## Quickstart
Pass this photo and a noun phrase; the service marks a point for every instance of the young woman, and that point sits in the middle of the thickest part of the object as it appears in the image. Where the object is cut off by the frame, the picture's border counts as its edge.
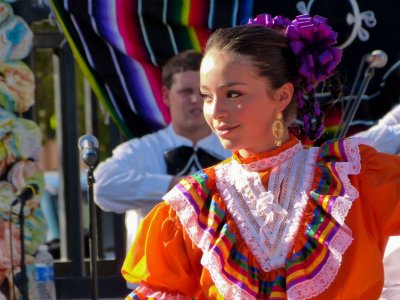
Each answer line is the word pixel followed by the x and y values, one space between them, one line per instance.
pixel 277 220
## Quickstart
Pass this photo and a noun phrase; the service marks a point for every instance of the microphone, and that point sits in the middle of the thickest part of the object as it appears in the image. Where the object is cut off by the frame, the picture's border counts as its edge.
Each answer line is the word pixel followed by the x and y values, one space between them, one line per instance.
pixel 89 146
pixel 27 193
pixel 377 59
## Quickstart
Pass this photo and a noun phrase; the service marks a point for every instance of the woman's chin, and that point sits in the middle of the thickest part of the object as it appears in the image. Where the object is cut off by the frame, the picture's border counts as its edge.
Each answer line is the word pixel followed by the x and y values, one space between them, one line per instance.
pixel 228 144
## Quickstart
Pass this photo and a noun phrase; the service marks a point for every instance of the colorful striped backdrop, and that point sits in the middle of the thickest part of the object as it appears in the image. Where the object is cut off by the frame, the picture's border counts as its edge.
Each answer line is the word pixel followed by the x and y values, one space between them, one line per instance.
pixel 121 46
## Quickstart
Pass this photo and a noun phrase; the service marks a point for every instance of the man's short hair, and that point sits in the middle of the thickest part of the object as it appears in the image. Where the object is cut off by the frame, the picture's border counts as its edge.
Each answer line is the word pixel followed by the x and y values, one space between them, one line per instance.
pixel 188 60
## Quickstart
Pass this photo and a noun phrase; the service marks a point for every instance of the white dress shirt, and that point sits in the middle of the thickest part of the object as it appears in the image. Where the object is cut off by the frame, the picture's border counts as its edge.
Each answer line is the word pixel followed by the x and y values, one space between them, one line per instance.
pixel 135 178
pixel 385 135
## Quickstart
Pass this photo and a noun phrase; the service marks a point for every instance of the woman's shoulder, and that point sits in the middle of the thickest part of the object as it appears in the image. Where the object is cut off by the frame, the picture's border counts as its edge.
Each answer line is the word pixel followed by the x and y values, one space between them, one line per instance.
pixel 345 149
pixel 194 189
pixel 359 155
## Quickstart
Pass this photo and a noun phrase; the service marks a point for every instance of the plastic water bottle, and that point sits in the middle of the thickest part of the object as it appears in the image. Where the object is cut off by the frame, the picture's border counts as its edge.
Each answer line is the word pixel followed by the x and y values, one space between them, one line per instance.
pixel 43 287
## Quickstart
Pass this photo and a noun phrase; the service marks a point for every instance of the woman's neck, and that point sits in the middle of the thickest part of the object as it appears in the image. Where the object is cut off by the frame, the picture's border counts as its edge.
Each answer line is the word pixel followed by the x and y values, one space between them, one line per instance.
pixel 269 147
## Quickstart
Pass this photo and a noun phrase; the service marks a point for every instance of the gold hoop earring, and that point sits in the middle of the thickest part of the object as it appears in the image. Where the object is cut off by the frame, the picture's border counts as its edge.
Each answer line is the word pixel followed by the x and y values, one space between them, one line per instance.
pixel 277 129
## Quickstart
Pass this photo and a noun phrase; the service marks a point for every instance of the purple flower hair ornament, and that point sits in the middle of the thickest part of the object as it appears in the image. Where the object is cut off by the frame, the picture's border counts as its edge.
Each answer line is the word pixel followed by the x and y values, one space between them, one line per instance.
pixel 313 40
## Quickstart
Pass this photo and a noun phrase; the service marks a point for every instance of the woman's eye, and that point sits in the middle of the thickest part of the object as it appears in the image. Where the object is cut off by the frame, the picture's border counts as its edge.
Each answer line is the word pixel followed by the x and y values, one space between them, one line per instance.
pixel 233 94
pixel 205 97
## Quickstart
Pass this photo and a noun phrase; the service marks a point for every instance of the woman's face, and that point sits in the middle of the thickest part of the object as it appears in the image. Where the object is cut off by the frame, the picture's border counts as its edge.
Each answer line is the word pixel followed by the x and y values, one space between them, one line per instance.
pixel 239 106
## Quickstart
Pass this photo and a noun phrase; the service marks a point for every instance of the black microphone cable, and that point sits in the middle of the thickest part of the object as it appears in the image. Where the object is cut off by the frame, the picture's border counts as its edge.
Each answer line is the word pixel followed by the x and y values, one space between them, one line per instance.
pixel 26 194
pixel 10 213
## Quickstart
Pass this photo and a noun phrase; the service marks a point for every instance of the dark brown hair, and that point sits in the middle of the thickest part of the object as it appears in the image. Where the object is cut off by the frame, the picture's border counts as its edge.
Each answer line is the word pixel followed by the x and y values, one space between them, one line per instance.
pixel 188 60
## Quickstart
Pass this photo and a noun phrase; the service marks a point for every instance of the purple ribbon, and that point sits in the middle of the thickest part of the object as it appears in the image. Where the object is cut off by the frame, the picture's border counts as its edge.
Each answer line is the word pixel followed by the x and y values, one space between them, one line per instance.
pixel 270 22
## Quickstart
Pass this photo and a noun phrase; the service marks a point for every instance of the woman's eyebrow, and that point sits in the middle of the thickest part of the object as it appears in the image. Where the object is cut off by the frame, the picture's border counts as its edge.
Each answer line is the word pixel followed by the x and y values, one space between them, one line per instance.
pixel 225 85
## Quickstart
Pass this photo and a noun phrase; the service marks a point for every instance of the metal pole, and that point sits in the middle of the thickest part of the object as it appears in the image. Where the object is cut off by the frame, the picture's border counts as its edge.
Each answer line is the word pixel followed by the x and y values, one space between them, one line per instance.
pixel 89 145
pixel 349 104
pixel 369 73
pixel 70 195
pixel 93 233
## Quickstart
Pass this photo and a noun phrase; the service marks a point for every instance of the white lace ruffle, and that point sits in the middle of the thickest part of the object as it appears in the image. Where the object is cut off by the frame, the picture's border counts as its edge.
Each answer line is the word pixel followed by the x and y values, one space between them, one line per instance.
pixel 318 283
pixel 269 232
pixel 321 281
pixel 343 203
pixel 273 161
pixel 299 207
pixel 202 239
pixel 227 289
pixel 343 238
pixel 188 218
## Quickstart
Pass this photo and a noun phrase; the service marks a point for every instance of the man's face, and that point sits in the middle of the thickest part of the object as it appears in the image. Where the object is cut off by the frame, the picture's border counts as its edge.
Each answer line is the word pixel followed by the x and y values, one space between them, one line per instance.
pixel 186 105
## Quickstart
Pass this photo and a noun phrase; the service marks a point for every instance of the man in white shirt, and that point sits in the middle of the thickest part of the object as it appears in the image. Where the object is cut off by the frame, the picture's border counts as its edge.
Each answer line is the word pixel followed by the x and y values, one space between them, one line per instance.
pixel 142 170
pixel 386 138
pixel 385 135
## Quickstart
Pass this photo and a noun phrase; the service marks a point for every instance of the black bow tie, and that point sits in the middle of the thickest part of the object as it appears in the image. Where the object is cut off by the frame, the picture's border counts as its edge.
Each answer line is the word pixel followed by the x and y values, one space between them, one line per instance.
pixel 184 160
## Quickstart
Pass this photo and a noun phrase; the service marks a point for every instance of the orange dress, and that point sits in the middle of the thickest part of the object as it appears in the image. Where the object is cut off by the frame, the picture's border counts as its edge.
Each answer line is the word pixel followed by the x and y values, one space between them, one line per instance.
pixel 292 223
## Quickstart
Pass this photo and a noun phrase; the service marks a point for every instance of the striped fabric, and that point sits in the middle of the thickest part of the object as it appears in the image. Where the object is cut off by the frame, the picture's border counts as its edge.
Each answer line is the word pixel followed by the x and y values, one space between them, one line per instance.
pixel 121 46
pixel 316 257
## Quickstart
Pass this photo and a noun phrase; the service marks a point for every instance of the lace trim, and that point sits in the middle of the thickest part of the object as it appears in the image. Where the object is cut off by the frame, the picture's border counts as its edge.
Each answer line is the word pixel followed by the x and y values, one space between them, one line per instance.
pixel 227 289
pixel 300 206
pixel 148 292
pixel 343 238
pixel 324 278
pixel 268 228
pixel 273 161
pixel 343 204
pixel 202 239
pixel 188 218
pixel 319 283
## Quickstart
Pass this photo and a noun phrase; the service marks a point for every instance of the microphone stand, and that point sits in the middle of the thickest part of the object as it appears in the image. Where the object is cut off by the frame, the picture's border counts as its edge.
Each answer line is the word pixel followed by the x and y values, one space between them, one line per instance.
pixel 369 73
pixel 88 144
pixel 349 102
pixel 376 59
pixel 21 278
pixel 93 232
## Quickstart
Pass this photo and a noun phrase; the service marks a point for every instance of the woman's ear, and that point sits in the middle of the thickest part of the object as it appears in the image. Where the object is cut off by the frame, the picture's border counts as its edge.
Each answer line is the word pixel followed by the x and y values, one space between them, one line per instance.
pixel 285 94
pixel 165 95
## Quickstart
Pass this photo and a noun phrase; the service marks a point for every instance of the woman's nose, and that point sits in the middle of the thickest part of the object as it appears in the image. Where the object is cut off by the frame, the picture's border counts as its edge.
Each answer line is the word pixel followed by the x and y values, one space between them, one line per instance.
pixel 217 108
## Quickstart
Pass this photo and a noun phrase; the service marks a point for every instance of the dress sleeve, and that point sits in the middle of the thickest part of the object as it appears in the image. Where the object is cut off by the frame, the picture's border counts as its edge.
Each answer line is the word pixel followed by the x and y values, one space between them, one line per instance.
pixel 163 261
pixel 380 188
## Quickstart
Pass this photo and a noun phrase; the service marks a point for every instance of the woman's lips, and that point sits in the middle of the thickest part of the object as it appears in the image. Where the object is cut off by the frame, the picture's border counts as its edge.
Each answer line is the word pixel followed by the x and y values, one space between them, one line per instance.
pixel 224 130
